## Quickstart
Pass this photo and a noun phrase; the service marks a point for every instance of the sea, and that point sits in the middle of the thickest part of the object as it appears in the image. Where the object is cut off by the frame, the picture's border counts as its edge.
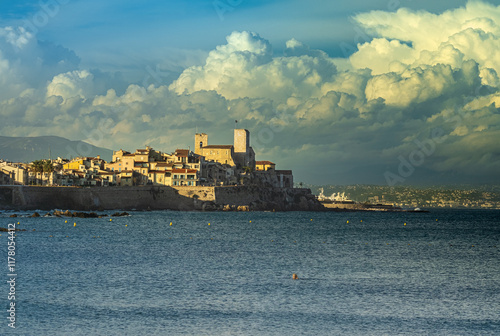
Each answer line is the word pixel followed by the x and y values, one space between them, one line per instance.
pixel 230 273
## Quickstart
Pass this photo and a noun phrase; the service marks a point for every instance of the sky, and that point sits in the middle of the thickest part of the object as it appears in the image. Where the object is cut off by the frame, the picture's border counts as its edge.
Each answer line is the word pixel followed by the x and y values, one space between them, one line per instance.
pixel 375 92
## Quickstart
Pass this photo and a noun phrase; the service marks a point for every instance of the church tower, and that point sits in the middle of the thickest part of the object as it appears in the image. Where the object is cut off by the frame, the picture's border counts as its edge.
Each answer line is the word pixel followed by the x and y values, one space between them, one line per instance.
pixel 200 140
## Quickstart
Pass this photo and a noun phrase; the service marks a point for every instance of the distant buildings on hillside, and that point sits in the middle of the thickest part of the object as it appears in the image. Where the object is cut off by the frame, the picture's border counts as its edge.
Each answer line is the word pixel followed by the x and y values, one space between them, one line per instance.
pixel 208 165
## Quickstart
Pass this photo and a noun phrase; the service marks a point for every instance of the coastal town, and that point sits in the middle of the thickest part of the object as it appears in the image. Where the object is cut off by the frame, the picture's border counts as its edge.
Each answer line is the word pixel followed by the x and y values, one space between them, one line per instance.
pixel 207 165
pixel 440 197
pixel 224 165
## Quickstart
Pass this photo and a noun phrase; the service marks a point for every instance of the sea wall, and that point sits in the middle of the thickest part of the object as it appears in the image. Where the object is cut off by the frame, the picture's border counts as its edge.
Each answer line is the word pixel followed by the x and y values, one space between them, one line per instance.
pixel 265 198
pixel 156 198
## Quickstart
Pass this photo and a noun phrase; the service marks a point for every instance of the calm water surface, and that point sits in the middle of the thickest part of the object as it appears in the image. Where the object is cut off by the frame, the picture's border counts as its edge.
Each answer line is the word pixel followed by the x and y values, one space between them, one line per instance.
pixel 359 274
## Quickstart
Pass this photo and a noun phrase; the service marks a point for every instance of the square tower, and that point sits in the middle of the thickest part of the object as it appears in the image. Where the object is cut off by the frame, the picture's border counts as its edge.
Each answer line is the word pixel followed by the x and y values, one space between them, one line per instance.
pixel 241 140
pixel 200 140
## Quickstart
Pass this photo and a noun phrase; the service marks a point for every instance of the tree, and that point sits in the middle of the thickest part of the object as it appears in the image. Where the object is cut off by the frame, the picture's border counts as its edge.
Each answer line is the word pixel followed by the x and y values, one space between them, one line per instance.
pixel 37 167
pixel 42 166
pixel 48 167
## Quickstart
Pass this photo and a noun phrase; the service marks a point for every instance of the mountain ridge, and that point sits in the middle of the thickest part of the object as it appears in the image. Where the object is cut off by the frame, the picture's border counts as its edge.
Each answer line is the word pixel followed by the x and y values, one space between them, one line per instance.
pixel 28 149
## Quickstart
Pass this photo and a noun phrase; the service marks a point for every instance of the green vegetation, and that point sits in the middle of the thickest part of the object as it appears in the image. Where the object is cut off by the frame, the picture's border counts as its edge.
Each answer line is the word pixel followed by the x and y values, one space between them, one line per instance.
pixel 44 167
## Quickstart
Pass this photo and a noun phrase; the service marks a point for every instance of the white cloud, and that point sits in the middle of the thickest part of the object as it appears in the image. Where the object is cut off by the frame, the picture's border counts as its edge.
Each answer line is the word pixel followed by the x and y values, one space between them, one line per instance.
pixel 423 72
pixel 417 85
pixel 16 37
pixel 244 67
pixel 382 56
pixel 71 84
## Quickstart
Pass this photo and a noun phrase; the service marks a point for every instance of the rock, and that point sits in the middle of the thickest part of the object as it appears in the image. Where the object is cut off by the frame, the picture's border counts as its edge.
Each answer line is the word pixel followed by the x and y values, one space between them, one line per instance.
pixel 228 207
pixel 78 214
pixel 85 215
pixel 13 216
pixel 295 276
pixel 120 214
pixel 7 230
pixel 243 208
pixel 48 214
pixel 303 205
pixel 36 214
pixel 208 206
pixel 59 213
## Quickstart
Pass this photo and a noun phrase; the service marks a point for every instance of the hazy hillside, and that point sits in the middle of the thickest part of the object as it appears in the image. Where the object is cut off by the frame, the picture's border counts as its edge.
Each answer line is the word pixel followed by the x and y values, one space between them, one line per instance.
pixel 27 149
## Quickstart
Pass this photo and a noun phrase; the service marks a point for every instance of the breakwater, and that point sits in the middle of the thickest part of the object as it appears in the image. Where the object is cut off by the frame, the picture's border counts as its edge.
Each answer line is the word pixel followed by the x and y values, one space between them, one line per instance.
pixel 234 198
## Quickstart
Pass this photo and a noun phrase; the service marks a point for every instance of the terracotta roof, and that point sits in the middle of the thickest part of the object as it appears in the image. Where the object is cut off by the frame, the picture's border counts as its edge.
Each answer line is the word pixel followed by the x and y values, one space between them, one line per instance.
pixel 219 146
pixel 264 163
pixel 184 171
pixel 182 152
pixel 164 164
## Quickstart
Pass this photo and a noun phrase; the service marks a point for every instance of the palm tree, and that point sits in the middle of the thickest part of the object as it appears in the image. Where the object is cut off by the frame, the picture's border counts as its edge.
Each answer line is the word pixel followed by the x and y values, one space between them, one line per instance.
pixel 37 167
pixel 48 167
pixel 42 166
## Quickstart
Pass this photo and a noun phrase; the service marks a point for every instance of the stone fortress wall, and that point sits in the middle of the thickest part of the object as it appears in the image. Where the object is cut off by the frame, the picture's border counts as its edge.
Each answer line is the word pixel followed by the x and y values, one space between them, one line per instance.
pixel 242 198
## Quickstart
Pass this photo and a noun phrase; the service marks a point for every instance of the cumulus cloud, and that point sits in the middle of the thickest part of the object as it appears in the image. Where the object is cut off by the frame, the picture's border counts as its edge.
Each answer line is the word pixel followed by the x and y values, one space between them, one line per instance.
pixel 420 73
pixel 244 67
pixel 71 84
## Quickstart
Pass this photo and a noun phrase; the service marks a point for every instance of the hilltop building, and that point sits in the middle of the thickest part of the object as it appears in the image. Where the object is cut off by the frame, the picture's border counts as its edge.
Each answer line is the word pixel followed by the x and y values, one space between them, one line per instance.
pixel 238 155
pixel 238 161
pixel 150 167
pixel 264 165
